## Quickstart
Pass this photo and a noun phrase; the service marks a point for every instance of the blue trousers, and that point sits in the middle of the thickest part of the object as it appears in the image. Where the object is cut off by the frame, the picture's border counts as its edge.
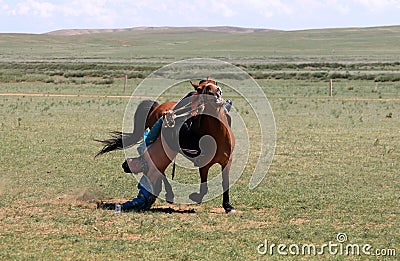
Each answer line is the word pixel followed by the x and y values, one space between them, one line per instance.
pixel 150 136
pixel 146 196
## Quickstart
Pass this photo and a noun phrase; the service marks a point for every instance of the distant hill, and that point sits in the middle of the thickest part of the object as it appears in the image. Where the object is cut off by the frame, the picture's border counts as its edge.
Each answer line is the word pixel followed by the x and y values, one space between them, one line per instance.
pixel 165 29
pixel 235 44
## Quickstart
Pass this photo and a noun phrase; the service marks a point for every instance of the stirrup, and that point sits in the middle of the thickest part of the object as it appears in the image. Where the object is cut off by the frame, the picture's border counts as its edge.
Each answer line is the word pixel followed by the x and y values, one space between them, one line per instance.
pixel 169 119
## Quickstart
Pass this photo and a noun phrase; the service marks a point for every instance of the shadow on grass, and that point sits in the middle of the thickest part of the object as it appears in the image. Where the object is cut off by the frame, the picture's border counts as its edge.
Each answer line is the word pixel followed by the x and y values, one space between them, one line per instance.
pixel 168 210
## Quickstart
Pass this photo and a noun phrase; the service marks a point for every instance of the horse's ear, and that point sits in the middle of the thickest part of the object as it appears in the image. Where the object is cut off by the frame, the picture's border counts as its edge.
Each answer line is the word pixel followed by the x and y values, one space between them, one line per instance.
pixel 195 85
pixel 209 79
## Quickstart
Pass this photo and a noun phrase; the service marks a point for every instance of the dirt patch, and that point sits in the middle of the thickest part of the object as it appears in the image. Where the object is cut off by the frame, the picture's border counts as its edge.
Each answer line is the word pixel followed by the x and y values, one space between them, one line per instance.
pixel 170 208
pixel 85 198
pixel 220 210
pixel 87 195
pixel 299 221
pixel 124 236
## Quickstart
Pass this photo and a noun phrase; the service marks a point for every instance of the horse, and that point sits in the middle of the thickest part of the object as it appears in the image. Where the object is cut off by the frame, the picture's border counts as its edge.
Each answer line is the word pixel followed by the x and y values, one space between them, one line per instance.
pixel 213 121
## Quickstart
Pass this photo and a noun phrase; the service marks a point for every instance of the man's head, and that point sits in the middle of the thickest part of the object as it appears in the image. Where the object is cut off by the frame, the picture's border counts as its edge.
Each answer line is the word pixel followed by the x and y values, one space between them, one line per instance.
pixel 132 165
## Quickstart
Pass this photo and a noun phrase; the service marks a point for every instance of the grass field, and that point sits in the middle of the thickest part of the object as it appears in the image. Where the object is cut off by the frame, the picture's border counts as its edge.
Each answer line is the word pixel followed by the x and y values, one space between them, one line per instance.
pixel 336 166
pixel 379 44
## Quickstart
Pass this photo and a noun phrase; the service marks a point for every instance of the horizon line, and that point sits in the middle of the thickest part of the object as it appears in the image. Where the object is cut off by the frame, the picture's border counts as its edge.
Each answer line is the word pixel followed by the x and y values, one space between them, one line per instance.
pixel 144 27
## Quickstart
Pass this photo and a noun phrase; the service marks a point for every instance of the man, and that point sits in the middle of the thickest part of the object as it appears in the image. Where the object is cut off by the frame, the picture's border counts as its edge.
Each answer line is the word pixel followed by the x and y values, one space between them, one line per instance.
pixel 149 185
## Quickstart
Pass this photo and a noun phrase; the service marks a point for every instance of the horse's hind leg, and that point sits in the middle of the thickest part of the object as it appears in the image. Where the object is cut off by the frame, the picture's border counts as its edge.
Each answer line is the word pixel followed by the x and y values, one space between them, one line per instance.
pixel 198 197
pixel 225 186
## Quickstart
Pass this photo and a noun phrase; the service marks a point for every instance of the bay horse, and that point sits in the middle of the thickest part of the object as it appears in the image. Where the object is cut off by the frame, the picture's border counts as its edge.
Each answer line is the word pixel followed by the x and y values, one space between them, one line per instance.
pixel 213 121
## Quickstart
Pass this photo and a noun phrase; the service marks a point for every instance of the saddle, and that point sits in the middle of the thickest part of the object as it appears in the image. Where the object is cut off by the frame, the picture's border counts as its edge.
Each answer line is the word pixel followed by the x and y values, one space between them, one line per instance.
pixel 181 135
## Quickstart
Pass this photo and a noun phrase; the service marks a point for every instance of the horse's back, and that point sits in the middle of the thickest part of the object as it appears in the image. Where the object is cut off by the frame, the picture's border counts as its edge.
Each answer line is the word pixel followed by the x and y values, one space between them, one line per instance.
pixel 158 111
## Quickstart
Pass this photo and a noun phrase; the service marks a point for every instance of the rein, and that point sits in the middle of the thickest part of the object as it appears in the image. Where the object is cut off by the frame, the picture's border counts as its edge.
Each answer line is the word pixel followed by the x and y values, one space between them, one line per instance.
pixel 170 116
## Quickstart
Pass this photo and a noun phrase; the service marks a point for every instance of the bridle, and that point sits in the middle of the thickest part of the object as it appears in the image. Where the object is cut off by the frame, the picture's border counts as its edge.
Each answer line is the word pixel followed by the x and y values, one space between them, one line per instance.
pixel 197 107
pixel 217 93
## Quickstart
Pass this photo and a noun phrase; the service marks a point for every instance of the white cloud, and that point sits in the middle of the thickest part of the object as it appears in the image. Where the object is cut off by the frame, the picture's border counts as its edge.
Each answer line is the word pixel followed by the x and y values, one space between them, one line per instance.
pixel 271 8
pixel 66 8
pixel 44 9
pixel 377 5
pixel 83 8
pixel 222 8
pixel 32 7
pixel 99 13
pixel 339 6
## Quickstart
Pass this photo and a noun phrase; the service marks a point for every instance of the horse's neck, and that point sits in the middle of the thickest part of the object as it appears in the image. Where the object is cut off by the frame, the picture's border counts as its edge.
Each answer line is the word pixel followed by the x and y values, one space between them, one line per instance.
pixel 214 120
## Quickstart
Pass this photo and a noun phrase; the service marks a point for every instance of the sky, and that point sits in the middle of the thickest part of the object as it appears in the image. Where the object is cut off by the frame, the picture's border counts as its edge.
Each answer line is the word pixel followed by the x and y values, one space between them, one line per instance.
pixel 40 16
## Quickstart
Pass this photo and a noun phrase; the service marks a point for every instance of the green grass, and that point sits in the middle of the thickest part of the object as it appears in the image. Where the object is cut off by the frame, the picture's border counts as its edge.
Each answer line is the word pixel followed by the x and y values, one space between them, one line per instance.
pixel 379 44
pixel 86 73
pixel 335 170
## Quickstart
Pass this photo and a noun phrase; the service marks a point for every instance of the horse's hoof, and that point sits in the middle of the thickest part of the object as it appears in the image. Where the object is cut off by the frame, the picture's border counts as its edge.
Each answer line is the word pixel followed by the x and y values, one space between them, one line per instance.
pixel 232 211
pixel 229 208
pixel 169 198
pixel 196 197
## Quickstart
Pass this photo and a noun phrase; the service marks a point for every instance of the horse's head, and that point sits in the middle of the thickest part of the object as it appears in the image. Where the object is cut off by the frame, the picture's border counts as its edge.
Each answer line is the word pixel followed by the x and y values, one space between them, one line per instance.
pixel 209 87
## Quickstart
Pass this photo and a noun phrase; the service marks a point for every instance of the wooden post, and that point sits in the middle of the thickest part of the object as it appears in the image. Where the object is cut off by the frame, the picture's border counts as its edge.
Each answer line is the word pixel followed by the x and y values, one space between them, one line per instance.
pixel 125 82
pixel 330 87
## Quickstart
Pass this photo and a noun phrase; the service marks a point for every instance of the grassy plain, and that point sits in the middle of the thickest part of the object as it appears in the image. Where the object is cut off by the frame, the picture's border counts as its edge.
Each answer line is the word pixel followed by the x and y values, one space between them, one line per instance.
pixel 336 166
pixel 379 44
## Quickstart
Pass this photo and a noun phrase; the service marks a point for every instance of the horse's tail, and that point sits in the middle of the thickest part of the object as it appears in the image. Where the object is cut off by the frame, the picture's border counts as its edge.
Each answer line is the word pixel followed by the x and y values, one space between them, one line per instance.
pixel 120 140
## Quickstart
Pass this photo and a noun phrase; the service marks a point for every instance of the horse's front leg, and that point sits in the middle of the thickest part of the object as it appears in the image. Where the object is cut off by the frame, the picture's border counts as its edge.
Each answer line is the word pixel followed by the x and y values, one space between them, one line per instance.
pixel 198 197
pixel 225 186
pixel 169 194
